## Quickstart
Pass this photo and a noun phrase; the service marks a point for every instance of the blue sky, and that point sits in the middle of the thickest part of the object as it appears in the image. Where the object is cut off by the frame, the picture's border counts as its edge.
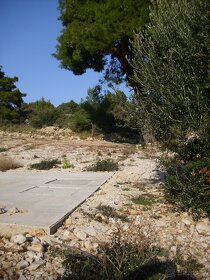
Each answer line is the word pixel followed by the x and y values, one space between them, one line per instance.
pixel 29 29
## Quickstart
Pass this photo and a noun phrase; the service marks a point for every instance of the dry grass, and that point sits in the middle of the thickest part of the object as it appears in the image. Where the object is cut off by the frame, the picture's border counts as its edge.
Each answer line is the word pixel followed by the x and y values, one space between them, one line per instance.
pixel 7 163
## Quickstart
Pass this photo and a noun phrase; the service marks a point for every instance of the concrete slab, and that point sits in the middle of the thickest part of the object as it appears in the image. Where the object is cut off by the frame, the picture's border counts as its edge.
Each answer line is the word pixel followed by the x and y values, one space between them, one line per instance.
pixel 47 198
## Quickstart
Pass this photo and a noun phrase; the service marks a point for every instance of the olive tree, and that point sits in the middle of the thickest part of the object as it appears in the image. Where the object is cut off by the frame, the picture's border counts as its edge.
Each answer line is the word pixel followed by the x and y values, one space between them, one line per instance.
pixel 171 71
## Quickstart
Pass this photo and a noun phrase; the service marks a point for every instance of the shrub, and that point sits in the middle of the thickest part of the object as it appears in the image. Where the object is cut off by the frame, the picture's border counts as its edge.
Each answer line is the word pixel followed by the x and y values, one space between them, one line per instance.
pixel 104 165
pixel 146 200
pixel 67 164
pixel 171 71
pixel 3 150
pixel 188 185
pixel 45 164
pixel 7 163
pixel 110 212
pixel 41 113
pixel 126 251
pixel 128 255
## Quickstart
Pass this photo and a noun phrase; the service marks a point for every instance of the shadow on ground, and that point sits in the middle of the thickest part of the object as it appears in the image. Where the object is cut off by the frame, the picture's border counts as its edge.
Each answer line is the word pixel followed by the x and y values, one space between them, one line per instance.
pixel 154 270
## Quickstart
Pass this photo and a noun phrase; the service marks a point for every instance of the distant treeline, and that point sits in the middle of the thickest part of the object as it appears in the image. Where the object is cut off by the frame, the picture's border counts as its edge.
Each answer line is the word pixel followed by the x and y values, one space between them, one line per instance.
pixel 98 113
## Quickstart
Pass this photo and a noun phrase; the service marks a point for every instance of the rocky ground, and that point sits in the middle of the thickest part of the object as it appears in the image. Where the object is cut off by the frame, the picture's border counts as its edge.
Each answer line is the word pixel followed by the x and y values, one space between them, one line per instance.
pixel 132 197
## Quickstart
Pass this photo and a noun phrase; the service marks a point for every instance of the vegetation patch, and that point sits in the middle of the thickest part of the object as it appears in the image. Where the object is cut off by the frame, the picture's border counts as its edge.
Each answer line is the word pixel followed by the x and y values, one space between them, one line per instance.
pixel 188 185
pixel 7 163
pixel 110 212
pixel 104 165
pixel 146 200
pixel 3 150
pixel 130 254
pixel 67 164
pixel 45 164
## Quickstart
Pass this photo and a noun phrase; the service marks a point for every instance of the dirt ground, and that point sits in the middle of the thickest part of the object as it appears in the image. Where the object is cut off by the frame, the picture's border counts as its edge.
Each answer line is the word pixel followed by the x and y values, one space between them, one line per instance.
pixel 135 190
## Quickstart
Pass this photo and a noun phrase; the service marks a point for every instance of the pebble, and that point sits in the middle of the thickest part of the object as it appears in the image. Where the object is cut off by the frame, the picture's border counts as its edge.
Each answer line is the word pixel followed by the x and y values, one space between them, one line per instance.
pixel 13 211
pixel 22 265
pixel 35 265
pixel 18 239
pixel 80 234
pixel 186 221
pixel 37 247
pixel 203 228
pixel 90 231
pixel 22 277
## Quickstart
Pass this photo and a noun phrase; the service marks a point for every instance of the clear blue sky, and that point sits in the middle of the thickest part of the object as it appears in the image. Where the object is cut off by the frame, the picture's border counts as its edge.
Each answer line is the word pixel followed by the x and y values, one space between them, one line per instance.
pixel 29 29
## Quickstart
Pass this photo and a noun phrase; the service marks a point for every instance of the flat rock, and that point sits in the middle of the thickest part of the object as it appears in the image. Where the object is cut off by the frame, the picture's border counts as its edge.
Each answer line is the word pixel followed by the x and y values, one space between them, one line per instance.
pixel 80 234
pixel 203 228
pixel 35 265
pixel 22 265
pixel 37 247
pixel 18 239
pixel 90 231
pixel 186 221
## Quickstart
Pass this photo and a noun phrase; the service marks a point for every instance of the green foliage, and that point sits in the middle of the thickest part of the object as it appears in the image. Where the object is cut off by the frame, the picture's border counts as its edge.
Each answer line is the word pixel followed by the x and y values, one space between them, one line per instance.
pixel 188 185
pixel 3 149
pixel 146 200
pixel 80 121
pixel 10 99
pixel 98 110
pixel 114 260
pixel 94 29
pixel 129 255
pixel 45 164
pixel 67 164
pixel 171 71
pixel 41 113
pixel 65 113
pixel 104 165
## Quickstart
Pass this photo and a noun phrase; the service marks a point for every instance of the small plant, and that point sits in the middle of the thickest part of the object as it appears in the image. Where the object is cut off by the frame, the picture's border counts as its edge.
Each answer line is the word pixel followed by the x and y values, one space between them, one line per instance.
pixel 35 156
pixel 130 254
pixel 146 200
pixel 7 163
pixel 3 150
pixel 126 189
pixel 100 154
pixel 67 164
pixel 45 164
pixel 104 165
pixel 117 259
pixel 29 147
pixel 110 212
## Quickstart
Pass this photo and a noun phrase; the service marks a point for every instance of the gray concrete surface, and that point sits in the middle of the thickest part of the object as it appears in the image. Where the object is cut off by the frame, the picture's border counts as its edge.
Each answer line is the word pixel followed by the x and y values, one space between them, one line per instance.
pixel 47 198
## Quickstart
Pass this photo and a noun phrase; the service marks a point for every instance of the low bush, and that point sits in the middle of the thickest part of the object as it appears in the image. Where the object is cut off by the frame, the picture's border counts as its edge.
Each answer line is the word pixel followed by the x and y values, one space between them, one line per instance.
pixel 110 212
pixel 115 259
pixel 146 200
pixel 104 165
pixel 7 163
pixel 188 185
pixel 129 254
pixel 67 164
pixel 3 150
pixel 45 164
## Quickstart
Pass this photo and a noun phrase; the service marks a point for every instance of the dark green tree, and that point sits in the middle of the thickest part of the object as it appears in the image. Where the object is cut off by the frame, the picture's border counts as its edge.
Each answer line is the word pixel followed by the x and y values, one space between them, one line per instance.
pixel 98 109
pixel 66 112
pixel 41 113
pixel 171 69
pixel 96 34
pixel 68 108
pixel 11 99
